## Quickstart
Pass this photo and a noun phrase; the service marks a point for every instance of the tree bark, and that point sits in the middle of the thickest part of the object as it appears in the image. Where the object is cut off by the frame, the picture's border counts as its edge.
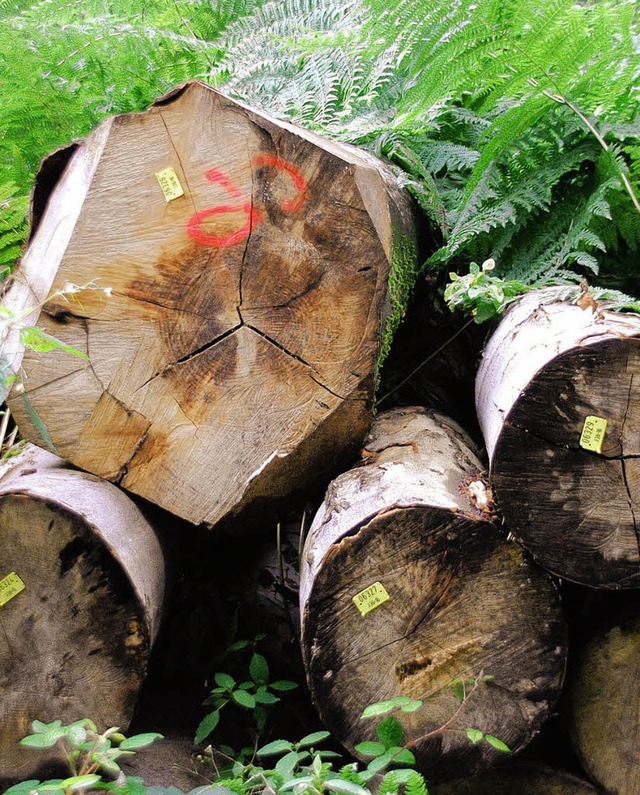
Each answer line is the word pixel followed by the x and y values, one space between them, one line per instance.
pixel 605 709
pixel 77 637
pixel 462 601
pixel 236 354
pixel 549 368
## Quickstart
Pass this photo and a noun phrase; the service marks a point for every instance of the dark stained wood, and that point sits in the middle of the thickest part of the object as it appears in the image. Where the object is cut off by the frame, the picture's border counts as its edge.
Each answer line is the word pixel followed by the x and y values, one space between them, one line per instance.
pixel 547 368
pixel 237 351
pixel 529 779
pixel 463 601
pixel 76 640
pixel 605 709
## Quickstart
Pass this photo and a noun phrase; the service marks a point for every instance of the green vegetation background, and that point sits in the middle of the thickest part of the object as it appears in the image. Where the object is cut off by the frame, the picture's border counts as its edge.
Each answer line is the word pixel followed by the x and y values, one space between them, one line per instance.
pixel 515 123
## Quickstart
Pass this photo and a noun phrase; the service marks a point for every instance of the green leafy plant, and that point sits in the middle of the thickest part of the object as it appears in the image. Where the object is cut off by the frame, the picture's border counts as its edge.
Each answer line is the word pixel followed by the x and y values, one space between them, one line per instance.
pixel 480 295
pixel 388 750
pixel 302 768
pixel 88 752
pixel 256 694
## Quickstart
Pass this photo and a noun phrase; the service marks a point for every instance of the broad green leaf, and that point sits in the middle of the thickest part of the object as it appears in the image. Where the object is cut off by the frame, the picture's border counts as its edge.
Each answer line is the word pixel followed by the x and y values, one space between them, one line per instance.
pixel 76 735
pixel 140 741
pixel 412 706
pixel 206 726
pixel 475 735
pixel 259 669
pixel 303 781
pixel 38 727
pixel 404 757
pixel 497 744
pixel 458 690
pixel 382 707
pixel 283 684
pixel 224 680
pixel 80 782
pixel 380 762
pixel 288 763
pixel 312 739
pixel 370 748
pixel 37 339
pixel 346 787
pixel 266 698
pixel 47 740
pixel 244 699
pixel 275 747
pixel 23 788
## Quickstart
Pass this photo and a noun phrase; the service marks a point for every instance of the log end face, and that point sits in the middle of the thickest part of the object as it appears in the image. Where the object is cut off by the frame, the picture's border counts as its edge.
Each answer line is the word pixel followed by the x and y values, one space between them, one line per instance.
pixel 266 232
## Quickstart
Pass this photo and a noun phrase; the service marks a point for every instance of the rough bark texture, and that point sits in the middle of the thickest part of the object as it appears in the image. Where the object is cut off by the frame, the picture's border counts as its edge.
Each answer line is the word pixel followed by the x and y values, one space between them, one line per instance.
pixel 548 367
pixel 522 780
pixel 462 601
pixel 605 709
pixel 77 639
pixel 237 351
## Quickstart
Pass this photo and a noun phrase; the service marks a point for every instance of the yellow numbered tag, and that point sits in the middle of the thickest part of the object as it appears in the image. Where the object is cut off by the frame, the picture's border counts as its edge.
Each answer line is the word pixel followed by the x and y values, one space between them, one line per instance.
pixel 593 433
pixel 10 586
pixel 170 184
pixel 370 598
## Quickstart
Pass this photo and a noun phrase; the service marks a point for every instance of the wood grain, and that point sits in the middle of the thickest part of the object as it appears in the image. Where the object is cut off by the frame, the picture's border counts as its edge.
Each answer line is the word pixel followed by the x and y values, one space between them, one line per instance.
pixel 77 639
pixel 605 708
pixel 463 601
pixel 244 318
pixel 549 366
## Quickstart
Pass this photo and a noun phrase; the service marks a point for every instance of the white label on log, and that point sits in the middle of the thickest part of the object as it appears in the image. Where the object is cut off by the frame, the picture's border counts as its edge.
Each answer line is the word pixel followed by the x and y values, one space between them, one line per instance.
pixel 10 586
pixel 170 184
pixel 593 433
pixel 370 598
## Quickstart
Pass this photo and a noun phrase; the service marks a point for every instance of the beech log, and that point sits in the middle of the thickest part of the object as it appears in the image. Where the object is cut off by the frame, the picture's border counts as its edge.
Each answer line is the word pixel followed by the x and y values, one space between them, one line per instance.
pixel 236 353
pixel 463 602
pixel 571 497
pixel 77 638
pixel 605 709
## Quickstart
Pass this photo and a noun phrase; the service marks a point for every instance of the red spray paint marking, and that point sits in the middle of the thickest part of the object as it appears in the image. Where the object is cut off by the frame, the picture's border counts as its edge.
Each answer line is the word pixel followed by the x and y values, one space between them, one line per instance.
pixel 299 182
pixel 254 217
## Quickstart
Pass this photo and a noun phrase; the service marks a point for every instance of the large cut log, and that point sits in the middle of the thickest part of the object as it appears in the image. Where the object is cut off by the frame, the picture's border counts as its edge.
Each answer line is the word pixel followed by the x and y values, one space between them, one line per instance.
pixel 527 779
pixel 81 593
pixel 248 264
pixel 558 403
pixel 407 586
pixel 605 709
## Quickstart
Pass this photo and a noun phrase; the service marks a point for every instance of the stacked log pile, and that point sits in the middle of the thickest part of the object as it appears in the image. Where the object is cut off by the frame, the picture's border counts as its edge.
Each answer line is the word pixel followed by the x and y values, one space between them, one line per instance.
pixel 226 277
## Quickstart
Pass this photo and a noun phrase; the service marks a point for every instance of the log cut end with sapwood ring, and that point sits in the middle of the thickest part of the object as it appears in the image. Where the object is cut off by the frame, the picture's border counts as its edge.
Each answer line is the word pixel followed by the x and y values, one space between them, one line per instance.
pixel 247 263
pixel 558 401
pixel 80 592
pixel 605 709
pixel 407 586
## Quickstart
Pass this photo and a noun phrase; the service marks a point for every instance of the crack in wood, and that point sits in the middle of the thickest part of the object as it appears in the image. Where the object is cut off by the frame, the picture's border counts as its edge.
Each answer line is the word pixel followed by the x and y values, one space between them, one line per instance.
pixel 314 284
pixel 180 310
pixel 182 168
pixel 191 355
pixel 246 245
pixel 124 469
